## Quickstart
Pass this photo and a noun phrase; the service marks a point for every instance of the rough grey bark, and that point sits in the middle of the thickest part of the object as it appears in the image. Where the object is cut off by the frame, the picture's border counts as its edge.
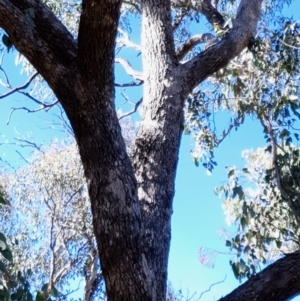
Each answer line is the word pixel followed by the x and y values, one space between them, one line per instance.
pixel 131 201
pixel 157 142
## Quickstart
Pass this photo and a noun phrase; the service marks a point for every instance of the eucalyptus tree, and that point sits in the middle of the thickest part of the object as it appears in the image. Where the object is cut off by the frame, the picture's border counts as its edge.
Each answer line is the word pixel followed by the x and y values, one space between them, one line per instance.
pixel 48 225
pixel 267 226
pixel 131 196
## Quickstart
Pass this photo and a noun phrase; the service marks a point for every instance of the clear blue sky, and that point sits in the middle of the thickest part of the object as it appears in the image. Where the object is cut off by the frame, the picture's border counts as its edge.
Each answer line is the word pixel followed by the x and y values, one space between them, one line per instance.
pixel 197 213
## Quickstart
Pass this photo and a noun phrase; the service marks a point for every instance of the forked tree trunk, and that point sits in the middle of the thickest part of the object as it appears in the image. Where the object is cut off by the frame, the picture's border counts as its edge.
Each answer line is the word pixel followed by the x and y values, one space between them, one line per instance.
pixel 131 199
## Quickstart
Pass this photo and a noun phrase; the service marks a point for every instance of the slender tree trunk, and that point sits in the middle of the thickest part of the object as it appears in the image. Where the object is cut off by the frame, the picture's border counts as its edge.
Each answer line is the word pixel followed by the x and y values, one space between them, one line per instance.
pixel 157 143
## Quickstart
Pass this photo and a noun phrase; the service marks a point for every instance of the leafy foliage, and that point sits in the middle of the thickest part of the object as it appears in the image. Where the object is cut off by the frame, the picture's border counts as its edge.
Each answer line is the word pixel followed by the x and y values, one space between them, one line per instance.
pixel 267 219
pixel 50 218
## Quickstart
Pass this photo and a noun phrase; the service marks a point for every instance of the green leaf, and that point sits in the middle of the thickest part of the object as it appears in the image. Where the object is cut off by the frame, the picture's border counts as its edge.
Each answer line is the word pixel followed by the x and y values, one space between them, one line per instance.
pixel 244 222
pixel 45 288
pixel 2 245
pixel 278 244
pixel 234 269
pixel 2 267
pixel 228 243
pixel 2 237
pixel 40 296
pixel 7 254
pixel 231 172
pixel 54 292
pixel 7 42
pixel 3 201
pixel 245 170
pixel 237 191
pixel 293 97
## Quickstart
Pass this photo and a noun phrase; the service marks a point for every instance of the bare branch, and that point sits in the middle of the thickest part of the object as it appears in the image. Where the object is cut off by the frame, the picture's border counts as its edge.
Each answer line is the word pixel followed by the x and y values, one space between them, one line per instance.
pixel 23 143
pixel 64 122
pixel 129 44
pixel 236 123
pixel 128 68
pixel 44 106
pixel 125 41
pixel 134 109
pixel 194 41
pixel 218 55
pixel 206 291
pixel 17 89
pixel 131 84
pixel 22 157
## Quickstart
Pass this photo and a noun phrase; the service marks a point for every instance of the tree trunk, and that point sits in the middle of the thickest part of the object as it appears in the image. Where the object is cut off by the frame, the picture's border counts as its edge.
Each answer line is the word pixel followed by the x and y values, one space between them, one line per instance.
pixel 157 143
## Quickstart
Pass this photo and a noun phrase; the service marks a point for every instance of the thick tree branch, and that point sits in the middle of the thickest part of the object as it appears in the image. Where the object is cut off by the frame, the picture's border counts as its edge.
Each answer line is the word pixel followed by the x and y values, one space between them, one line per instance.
pixel 279 281
pixel 96 39
pixel 48 27
pixel 156 146
pixel 218 55
pixel 50 30
pixel 162 41
pixel 128 68
pixel 47 45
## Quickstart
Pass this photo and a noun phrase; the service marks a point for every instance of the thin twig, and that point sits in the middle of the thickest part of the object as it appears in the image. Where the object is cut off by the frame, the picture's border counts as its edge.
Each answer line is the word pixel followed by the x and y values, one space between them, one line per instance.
pixel 22 157
pixel 17 89
pixel 45 107
pixel 236 123
pixel 133 111
pixel 211 287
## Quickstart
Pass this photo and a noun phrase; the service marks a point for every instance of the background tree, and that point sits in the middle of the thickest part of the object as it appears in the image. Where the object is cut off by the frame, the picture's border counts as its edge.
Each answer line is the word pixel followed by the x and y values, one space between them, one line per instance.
pixel 49 222
pixel 131 198
pixel 267 224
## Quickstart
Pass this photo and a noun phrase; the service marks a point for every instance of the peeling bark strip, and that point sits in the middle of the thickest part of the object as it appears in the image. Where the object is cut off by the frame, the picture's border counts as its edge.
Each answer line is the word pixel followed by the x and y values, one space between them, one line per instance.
pixel 132 202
